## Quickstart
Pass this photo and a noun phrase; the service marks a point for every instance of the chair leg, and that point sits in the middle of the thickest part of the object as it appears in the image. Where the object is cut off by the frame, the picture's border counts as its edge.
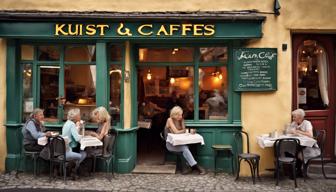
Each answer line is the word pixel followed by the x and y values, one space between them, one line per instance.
pixel 252 170
pixel 215 162
pixel 64 172
pixel 257 164
pixel 50 169
pixel 277 170
pixel 94 164
pixel 238 168
pixel 232 164
pixel 294 173
pixel 323 172
pixel 112 167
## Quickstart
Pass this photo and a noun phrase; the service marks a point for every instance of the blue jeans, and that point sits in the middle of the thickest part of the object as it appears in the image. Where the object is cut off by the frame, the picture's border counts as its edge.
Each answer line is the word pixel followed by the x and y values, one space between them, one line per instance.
pixel 185 151
pixel 79 157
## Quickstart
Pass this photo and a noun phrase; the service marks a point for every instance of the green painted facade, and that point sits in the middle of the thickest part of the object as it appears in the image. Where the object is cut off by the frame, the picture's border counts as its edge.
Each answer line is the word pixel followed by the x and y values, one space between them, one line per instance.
pixel 230 34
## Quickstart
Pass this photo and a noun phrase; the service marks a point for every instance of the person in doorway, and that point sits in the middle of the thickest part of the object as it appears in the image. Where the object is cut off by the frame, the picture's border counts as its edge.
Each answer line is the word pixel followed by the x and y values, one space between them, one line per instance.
pixel 70 132
pixel 34 129
pixel 175 124
pixel 302 127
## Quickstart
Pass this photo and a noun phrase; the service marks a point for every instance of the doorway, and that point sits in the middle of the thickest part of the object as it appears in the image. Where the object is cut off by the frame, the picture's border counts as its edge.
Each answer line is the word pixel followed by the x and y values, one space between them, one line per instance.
pixel 314 83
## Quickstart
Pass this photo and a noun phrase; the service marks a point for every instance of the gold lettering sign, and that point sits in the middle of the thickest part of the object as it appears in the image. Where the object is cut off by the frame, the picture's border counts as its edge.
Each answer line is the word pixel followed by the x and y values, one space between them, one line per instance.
pixel 128 29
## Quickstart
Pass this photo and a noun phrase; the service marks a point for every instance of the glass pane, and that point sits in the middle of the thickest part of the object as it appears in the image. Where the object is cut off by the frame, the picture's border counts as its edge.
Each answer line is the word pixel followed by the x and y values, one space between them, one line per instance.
pixel 312 65
pixel 80 89
pixel 213 54
pixel 27 52
pixel 166 54
pixel 116 53
pixel 162 88
pixel 27 80
pixel 115 93
pixel 213 98
pixel 48 53
pixel 86 53
pixel 49 92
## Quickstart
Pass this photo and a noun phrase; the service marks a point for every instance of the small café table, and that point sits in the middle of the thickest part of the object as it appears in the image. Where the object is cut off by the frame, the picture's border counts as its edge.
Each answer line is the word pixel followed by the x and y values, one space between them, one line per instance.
pixel 184 139
pixel 269 141
pixel 89 141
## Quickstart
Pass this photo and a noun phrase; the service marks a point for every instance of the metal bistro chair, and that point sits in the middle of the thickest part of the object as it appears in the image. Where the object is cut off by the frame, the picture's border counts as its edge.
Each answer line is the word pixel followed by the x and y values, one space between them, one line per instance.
pixel 108 152
pixel 320 136
pixel 282 147
pixel 179 159
pixel 33 154
pixel 58 155
pixel 251 158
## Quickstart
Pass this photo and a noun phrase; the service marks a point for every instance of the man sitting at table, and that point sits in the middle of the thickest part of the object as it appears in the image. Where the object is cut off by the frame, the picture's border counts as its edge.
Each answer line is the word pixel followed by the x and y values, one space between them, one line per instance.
pixel 175 124
pixel 302 127
pixel 70 131
pixel 33 129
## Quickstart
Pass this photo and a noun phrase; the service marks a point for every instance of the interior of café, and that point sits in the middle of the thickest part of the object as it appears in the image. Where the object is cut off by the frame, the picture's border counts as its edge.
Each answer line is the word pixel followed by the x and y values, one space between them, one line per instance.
pixel 166 78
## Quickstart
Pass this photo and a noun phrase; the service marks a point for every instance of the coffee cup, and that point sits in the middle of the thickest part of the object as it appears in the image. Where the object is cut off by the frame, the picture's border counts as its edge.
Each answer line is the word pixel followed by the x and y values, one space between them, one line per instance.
pixel 192 131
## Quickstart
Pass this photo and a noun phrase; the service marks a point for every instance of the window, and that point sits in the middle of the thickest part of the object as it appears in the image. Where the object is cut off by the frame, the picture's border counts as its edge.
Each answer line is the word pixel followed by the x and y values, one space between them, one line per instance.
pixel 66 78
pixel 166 78
pixel 312 76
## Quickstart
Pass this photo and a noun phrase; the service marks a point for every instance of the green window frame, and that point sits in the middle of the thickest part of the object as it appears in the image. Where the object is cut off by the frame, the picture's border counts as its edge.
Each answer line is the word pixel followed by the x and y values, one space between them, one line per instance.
pixel 233 97
pixel 102 63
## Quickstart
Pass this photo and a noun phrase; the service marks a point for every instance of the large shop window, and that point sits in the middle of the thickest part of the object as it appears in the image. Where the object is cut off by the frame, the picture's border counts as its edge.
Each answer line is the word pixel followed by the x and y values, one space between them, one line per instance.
pixel 57 78
pixel 171 76
pixel 312 76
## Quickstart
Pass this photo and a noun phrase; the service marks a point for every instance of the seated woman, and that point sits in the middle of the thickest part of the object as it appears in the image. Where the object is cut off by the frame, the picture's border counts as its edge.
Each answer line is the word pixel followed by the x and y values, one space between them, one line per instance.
pixel 175 124
pixel 33 129
pixel 70 131
pixel 102 117
pixel 302 127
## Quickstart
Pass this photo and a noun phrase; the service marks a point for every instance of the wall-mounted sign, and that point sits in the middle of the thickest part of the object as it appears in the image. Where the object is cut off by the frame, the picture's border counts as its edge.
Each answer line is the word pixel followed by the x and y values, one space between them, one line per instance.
pixel 255 69
pixel 133 30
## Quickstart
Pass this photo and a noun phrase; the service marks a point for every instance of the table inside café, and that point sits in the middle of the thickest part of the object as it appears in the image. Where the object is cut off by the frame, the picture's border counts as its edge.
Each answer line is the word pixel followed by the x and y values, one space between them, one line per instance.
pixel 184 139
pixel 266 141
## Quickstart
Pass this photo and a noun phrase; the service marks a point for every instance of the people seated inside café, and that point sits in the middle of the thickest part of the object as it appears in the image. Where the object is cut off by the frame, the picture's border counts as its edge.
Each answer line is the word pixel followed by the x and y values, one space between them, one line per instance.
pixel 34 129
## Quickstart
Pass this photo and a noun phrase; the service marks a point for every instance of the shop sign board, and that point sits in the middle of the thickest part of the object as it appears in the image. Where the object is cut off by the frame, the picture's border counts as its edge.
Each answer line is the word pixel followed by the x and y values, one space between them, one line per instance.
pixel 255 69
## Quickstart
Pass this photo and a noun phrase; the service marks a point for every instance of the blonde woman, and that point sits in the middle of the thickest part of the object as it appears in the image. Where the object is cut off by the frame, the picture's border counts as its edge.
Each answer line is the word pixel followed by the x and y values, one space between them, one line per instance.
pixel 175 124
pixel 102 117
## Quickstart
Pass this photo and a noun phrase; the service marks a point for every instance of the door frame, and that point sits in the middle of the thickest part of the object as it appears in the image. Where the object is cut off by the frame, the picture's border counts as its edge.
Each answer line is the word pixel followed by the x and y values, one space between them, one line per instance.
pixel 327 41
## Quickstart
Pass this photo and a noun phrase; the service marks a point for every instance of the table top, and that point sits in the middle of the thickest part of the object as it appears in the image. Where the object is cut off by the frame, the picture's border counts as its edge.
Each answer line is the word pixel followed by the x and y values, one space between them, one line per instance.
pixel 269 141
pixel 184 138
pixel 89 141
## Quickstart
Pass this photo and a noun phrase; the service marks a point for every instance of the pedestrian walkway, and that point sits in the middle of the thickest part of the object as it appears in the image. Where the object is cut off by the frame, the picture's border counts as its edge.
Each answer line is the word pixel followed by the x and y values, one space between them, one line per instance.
pixel 162 182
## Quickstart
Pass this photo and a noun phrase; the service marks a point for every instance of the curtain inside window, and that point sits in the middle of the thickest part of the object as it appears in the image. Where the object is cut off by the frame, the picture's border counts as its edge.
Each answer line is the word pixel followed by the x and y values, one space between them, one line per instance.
pixel 322 67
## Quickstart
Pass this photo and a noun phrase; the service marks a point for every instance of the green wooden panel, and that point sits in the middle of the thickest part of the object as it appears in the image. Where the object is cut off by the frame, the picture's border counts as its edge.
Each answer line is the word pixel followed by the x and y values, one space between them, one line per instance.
pixel 223 30
pixel 102 96
pixel 255 68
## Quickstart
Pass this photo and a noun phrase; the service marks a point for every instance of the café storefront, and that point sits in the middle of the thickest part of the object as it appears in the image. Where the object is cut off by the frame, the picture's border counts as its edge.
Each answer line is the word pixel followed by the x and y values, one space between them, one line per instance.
pixel 138 68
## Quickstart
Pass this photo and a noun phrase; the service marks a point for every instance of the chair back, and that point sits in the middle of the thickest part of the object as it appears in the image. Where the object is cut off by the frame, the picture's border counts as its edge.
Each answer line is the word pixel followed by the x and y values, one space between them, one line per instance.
pixel 285 146
pixel 239 137
pixel 57 148
pixel 320 136
pixel 109 142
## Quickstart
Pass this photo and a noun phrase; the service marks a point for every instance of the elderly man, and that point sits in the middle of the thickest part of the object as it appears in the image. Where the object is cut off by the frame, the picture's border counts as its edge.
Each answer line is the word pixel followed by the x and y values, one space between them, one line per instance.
pixel 32 130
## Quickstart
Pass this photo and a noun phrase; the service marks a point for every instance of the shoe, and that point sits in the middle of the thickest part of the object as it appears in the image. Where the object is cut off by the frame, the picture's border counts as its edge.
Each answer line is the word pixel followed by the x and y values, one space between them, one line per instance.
pixel 186 170
pixel 200 170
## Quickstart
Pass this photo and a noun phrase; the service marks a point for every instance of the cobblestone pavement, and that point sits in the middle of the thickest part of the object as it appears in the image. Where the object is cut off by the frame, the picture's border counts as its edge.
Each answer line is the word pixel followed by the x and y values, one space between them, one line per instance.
pixel 162 182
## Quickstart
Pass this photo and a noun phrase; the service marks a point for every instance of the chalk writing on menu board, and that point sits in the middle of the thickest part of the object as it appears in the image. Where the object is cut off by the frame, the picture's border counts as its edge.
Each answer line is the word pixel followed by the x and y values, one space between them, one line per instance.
pixel 256 69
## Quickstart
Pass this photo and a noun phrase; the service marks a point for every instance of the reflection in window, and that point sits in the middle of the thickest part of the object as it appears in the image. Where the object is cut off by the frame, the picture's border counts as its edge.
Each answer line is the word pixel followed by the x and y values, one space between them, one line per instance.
pixel 48 53
pixel 27 77
pixel 312 66
pixel 213 54
pixel 116 53
pixel 27 52
pixel 77 53
pixel 115 93
pixel 80 89
pixel 166 54
pixel 49 92
pixel 167 87
pixel 213 93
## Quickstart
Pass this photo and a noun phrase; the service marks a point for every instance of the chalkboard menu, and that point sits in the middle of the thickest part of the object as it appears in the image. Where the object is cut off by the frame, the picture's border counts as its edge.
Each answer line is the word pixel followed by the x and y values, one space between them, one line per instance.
pixel 255 69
